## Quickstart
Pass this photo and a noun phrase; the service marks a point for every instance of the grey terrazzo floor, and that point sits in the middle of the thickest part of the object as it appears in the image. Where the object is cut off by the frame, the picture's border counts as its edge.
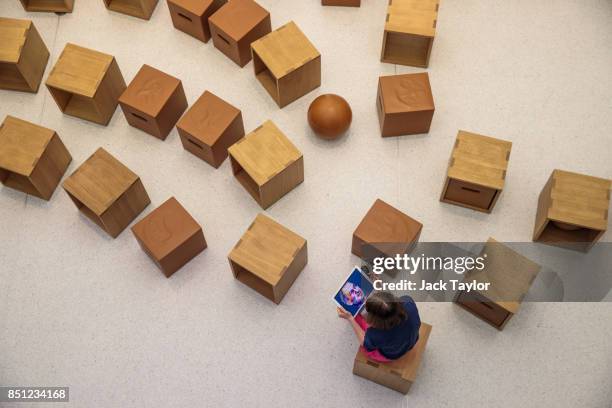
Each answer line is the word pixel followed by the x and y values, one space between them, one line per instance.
pixel 83 310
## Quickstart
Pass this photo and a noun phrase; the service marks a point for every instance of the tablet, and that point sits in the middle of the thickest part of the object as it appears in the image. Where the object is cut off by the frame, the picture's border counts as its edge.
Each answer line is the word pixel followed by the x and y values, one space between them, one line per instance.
pixel 354 292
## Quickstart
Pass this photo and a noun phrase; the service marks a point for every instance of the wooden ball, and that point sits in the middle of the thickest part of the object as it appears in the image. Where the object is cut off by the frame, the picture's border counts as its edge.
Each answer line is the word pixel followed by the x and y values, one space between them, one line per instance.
pixel 329 116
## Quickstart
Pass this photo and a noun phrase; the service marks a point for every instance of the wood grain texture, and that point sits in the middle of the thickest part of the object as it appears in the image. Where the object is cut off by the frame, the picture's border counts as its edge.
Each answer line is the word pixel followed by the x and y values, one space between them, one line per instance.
pixel 341 3
pixel 107 192
pixel 400 374
pixel 576 200
pixel 476 172
pixel 55 6
pixel 23 55
pixel 267 164
pixel 286 64
pixel 135 8
pixel 170 236
pixel 410 29
pixel 268 257
pixel 191 16
pixel 33 159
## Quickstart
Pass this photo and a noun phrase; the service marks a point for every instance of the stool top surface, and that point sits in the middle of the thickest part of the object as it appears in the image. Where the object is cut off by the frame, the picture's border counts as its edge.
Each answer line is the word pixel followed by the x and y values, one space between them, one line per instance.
pixel 264 152
pixel 13 35
pixel 22 144
pixel 285 49
pixel 385 224
pixel 406 93
pixel 166 228
pixel 416 17
pixel 579 199
pixel 267 249
pixel 99 181
pixel 79 70
pixel 208 118
pixel 238 17
pixel 150 90
pixel 479 159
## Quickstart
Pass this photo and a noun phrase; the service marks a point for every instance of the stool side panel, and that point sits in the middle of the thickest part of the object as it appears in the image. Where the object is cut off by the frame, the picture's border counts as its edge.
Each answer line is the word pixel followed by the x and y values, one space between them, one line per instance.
pixel 34 58
pixel 299 82
pixel 291 273
pixel 125 209
pixel 51 168
pixel 183 253
pixel 282 183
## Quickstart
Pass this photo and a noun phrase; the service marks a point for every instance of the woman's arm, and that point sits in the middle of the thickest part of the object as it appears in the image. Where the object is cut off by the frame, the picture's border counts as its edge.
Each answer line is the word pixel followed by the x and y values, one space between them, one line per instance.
pixel 356 328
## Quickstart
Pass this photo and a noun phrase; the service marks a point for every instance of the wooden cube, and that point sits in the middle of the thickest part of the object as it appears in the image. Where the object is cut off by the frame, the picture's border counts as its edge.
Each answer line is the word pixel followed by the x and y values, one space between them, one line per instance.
pixel 405 104
pixel 572 210
pixel 23 55
pixel 409 33
pixel 191 16
pixel 170 236
pixel 398 374
pixel 55 6
pixel 236 25
pixel 210 127
pixel 510 276
pixel 268 258
pixel 153 102
pixel 136 8
pixel 267 164
pixel 287 64
pixel 386 230
pixel 86 84
pixel 107 192
pixel 342 3
pixel 476 171
pixel 33 159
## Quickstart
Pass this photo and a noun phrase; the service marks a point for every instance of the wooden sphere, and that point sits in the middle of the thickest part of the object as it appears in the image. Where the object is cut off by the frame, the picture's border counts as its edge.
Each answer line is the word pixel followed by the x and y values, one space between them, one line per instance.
pixel 329 116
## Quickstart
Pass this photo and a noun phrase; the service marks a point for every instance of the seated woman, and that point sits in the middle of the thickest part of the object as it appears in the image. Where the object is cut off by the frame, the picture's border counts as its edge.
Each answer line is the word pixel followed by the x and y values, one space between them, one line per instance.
pixel 390 328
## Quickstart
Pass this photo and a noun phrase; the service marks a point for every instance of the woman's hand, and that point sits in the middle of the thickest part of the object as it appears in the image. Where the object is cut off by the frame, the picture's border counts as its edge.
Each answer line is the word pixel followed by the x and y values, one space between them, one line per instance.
pixel 343 314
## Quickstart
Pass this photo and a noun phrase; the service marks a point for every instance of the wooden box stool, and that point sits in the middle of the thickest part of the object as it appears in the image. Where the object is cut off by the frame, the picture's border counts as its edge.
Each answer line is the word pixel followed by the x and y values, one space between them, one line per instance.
pixel 510 276
pixel 33 159
pixel 54 6
pixel 405 104
pixel 209 127
pixel 153 102
pixel 410 30
pixel 476 171
pixel 170 236
pixel 86 84
pixel 107 192
pixel 23 55
pixel 287 64
pixel 398 374
pixel 268 258
pixel 267 164
pixel 236 25
pixel 191 16
pixel 386 230
pixel 572 210
pixel 135 8
pixel 341 3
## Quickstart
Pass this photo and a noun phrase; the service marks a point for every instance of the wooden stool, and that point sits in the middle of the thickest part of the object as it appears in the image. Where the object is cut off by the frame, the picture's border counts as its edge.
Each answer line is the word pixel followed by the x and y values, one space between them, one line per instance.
pixel 476 171
pixel 410 29
pixel 54 6
pixel 23 55
pixel 170 236
pixel 286 64
pixel 268 258
pixel 33 159
pixel 135 8
pixel 267 164
pixel 405 104
pixel 510 276
pixel 107 192
pixel 572 210
pixel 399 374
pixel 153 102
pixel 210 127
pixel 387 230
pixel 236 25
pixel 86 84
pixel 191 16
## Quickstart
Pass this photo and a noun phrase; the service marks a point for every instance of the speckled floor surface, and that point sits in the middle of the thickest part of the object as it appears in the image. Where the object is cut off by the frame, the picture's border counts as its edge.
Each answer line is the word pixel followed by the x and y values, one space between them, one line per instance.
pixel 83 310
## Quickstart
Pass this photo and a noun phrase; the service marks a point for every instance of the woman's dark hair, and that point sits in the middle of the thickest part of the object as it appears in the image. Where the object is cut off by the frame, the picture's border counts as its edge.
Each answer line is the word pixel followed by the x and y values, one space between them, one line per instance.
pixel 385 311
